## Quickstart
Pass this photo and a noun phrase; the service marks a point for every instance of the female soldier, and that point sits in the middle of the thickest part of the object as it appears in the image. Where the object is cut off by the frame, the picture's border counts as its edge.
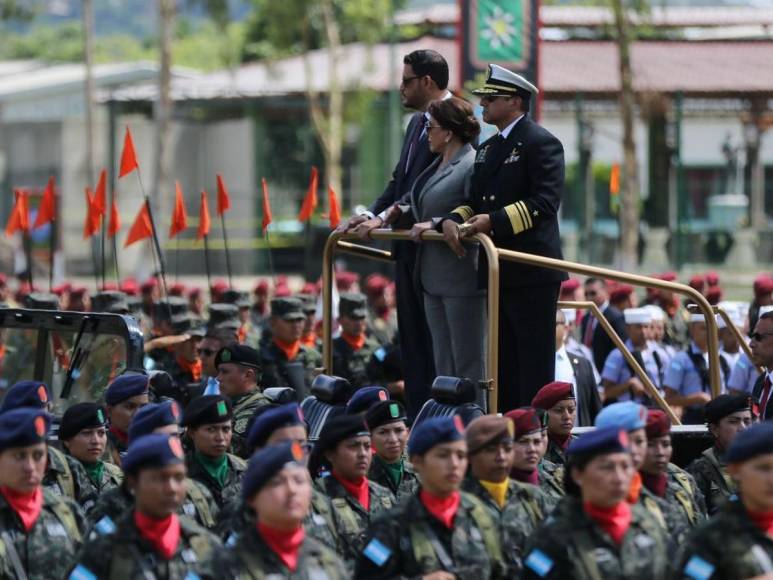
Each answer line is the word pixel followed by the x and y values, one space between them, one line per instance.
pixel 277 487
pixel 595 533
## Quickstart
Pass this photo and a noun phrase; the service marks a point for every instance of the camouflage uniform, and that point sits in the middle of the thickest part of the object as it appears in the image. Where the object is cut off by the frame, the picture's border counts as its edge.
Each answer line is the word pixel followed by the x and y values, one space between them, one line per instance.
pixel 68 480
pixel 352 364
pixel 48 549
pixel 112 476
pixel 712 479
pixel 119 552
pixel 728 547
pixel 401 544
pixel 114 449
pixel 198 505
pixel 409 484
pixel 274 363
pixel 551 482
pixel 682 505
pixel 525 508
pixel 349 517
pixel 250 557
pixel 244 407
pixel 231 490
pixel 571 545
pixel 555 454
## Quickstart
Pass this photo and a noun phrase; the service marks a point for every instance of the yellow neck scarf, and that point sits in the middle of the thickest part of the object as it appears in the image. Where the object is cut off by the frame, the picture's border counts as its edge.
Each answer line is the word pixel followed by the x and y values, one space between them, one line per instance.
pixel 498 491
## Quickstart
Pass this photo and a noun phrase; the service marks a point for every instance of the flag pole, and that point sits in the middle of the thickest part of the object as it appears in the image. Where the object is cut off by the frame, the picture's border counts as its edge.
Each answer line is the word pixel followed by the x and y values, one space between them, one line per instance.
pixel 51 251
pixel 227 256
pixel 27 242
pixel 114 239
pixel 154 233
pixel 206 265
pixel 270 258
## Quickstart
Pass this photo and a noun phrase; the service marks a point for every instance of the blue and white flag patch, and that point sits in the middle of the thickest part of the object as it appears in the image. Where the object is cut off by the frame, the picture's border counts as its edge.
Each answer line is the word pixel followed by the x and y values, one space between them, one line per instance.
pixel 81 573
pixel 699 569
pixel 539 562
pixel 377 552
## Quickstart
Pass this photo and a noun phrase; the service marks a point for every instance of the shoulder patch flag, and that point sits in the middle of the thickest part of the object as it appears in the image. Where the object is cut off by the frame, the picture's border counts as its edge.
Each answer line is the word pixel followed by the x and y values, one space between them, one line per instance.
pixel 377 552
pixel 80 572
pixel 105 526
pixel 698 569
pixel 539 562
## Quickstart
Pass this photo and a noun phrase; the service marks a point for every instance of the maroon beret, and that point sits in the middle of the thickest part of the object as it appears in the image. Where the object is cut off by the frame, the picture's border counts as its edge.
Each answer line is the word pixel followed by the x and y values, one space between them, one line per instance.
pixel 527 420
pixel 658 424
pixel 551 394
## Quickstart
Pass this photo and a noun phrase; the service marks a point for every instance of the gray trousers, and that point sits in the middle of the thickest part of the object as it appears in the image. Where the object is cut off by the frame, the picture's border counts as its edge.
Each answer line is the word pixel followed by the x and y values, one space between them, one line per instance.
pixel 458 328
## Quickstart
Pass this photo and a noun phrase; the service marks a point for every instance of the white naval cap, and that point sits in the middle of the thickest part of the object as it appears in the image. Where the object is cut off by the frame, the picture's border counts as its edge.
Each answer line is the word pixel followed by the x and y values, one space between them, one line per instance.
pixel 658 315
pixel 733 312
pixel 502 82
pixel 570 315
pixel 764 310
pixel 637 316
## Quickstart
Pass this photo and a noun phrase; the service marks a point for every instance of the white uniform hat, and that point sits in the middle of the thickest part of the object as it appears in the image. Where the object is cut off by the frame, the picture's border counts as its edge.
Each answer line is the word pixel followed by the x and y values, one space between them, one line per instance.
pixel 570 314
pixel 502 82
pixel 637 316
pixel 658 315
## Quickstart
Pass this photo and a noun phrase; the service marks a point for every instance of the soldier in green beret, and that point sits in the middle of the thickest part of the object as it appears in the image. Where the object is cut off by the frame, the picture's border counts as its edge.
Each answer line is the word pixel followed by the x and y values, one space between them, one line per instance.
pixel 353 349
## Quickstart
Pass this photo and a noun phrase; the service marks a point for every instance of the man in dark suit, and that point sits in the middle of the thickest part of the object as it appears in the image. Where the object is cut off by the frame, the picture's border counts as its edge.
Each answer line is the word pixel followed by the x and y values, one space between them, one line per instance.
pixel 516 188
pixel 592 334
pixel 762 349
pixel 425 79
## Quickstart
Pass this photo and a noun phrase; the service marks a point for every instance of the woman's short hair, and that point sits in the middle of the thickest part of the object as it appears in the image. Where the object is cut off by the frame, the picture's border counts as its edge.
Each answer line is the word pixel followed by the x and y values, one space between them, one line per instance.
pixel 456 115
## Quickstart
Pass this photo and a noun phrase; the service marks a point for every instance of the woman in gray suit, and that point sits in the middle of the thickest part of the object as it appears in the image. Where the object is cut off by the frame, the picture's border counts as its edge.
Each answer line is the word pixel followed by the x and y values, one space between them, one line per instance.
pixel 455 307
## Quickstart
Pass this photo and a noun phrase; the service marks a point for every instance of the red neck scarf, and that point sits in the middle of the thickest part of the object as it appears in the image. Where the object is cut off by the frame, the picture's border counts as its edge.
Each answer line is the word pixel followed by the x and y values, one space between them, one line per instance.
pixel 358 489
pixel 290 349
pixel 443 508
pixel 633 493
pixel 241 334
pixel 120 435
pixel 26 505
pixel 194 368
pixel 309 339
pixel 356 342
pixel 655 482
pixel 531 477
pixel 561 440
pixel 285 544
pixel 615 521
pixel 763 520
pixel 163 534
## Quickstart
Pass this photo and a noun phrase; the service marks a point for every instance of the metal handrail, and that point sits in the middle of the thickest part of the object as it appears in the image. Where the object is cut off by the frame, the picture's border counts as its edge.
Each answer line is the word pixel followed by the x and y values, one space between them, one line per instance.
pixel 651 389
pixel 495 254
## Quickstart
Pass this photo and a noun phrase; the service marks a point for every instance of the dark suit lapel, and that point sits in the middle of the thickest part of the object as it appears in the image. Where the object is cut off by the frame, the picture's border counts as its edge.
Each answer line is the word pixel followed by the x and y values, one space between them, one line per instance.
pixel 496 157
pixel 407 140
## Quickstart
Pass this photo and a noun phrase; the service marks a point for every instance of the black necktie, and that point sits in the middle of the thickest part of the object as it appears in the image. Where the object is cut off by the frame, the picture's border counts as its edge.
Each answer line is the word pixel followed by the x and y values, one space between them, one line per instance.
pixel 414 144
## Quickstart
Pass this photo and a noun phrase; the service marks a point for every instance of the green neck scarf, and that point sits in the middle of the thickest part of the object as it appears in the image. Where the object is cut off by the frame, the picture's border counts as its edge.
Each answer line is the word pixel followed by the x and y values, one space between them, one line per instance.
pixel 95 471
pixel 216 467
pixel 394 471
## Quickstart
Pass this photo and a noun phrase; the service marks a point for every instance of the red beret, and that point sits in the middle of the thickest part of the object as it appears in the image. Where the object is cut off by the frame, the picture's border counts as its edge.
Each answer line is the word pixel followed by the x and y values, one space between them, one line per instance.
pixel 712 278
pixel 129 287
pixel 697 282
pixel 282 291
pixel 763 284
pixel 551 394
pixel 177 289
pixel 261 287
pixel 61 288
pixel 666 276
pixel 109 287
pixel 570 285
pixel 148 285
pixel 219 285
pixel 527 420
pixel 194 293
pixel 77 291
pixel 658 424
pixel 309 288
pixel 3 280
pixel 714 295
pixel 345 280
pixel 621 292
pixel 376 284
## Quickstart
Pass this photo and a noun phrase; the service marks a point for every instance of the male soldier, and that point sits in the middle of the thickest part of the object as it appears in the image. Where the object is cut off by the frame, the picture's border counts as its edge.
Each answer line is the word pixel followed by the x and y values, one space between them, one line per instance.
pixel 679 498
pixel 248 333
pixel 558 400
pixel 762 349
pixel 208 421
pixel 259 310
pixel 592 334
pixel 353 349
pixel 285 361
pixel 40 531
pixel 516 188
pixel 123 398
pixel 207 349
pixel 186 366
pixel 388 426
pixel 518 508
pixel 382 318
pixel 238 372
pixel 309 336
pixel 151 541
pixel 726 417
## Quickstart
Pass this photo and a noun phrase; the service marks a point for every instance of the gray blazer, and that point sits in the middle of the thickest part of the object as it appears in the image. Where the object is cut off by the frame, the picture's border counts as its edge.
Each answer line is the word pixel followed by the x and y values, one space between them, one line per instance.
pixel 438 269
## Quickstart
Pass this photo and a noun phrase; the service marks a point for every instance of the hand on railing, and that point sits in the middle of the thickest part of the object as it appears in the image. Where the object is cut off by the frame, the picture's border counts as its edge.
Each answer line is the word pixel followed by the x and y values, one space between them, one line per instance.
pixel 452 237
pixel 363 229
pixel 418 229
pixel 350 223
pixel 477 224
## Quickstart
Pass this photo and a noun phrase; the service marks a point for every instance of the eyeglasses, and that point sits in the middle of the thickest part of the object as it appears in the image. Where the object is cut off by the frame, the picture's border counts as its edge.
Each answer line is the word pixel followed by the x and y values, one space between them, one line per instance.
pixel 205 351
pixel 429 126
pixel 758 336
pixel 407 80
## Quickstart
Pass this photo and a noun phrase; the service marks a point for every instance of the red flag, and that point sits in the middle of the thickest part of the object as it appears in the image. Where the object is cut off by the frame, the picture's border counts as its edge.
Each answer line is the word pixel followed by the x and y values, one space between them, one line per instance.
pixel 93 217
pixel 100 198
pixel 333 208
pixel 128 155
pixel 310 201
pixel 614 179
pixel 141 228
pixel 267 217
pixel 115 220
pixel 179 216
pixel 20 217
pixel 47 208
pixel 223 199
pixel 203 217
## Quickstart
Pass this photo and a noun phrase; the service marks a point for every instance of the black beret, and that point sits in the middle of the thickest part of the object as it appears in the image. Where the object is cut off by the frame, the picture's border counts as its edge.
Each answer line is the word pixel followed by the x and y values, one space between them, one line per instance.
pixel 725 405
pixel 338 429
pixel 269 461
pixel 152 451
pixel 79 417
pixel 239 354
pixel 384 413
pixel 22 427
pixel 755 441
pixel 206 410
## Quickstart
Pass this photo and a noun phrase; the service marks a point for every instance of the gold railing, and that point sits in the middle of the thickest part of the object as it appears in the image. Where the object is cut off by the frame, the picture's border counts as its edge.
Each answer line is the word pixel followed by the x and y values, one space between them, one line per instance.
pixel 494 255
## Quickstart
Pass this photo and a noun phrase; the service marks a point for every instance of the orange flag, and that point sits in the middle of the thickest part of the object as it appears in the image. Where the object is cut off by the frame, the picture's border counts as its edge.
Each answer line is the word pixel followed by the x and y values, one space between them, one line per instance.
pixel 203 217
pixel 223 199
pixel 93 217
pixel 47 208
pixel 128 155
pixel 333 208
pixel 141 227
pixel 115 220
pixel 179 216
pixel 19 220
pixel 100 197
pixel 614 179
pixel 267 217
pixel 310 201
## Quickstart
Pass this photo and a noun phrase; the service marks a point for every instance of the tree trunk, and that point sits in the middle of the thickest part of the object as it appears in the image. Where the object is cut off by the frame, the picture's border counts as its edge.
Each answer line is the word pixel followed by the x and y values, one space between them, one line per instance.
pixel 88 60
pixel 629 212
pixel 163 109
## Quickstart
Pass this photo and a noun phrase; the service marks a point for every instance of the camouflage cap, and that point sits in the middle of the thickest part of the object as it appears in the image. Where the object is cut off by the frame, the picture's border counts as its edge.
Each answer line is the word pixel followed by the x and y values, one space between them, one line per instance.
pixel 308 303
pixel 166 308
pixel 113 302
pixel 220 312
pixel 353 305
pixel 236 297
pixel 289 308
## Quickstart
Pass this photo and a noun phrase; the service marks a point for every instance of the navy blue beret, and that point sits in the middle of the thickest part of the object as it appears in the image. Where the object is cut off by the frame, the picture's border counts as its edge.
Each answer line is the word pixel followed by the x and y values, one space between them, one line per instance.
pixel 33 394
pixel 364 398
pixel 22 427
pixel 125 387
pixel 627 415
pixel 152 451
pixel 79 417
pixel 271 420
pixel 153 416
pixel 384 413
pixel 754 441
pixel 207 410
pixel 338 429
pixel 435 431
pixel 601 441
pixel 269 461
